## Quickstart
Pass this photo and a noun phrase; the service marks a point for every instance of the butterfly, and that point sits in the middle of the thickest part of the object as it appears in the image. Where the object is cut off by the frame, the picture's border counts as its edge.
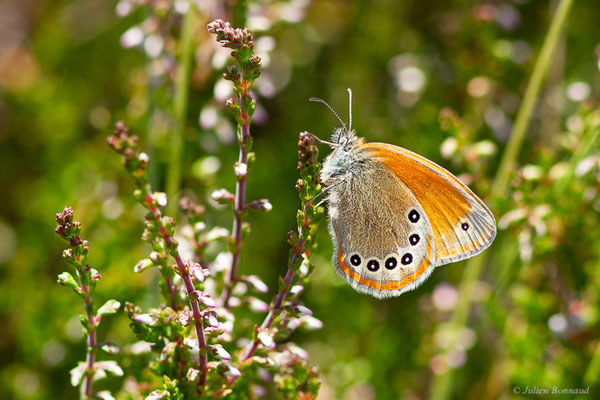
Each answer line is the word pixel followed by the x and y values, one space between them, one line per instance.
pixel 394 216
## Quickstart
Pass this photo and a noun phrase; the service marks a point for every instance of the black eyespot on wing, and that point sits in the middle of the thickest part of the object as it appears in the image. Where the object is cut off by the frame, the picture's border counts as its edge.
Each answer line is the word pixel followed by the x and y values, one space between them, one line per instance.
pixel 391 263
pixel 373 265
pixel 414 239
pixel 414 216
pixel 406 259
pixel 464 226
pixel 355 260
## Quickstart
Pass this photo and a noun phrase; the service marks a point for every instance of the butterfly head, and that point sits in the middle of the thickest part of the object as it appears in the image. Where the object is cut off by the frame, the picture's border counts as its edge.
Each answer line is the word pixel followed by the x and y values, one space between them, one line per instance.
pixel 342 136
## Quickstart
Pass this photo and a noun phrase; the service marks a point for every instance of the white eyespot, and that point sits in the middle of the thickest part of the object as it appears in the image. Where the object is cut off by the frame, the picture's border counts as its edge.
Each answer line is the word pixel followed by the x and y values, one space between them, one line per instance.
pixel 355 260
pixel 373 265
pixel 407 259
pixel 391 261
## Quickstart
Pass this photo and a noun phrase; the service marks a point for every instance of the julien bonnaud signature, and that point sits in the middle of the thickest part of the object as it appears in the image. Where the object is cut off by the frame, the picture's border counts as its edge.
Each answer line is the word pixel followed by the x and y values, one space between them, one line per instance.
pixel 550 390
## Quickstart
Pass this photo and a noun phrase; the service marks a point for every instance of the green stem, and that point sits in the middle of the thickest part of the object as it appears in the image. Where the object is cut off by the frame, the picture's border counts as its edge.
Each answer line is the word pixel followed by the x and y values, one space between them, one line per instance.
pixel 509 158
pixel 180 107
pixel 87 385
pixel 239 206
pixel 441 386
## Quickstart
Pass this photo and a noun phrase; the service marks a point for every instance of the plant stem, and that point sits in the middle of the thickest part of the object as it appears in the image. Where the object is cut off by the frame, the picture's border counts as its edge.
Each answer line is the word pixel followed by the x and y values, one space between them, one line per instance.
pixel 441 386
pixel 511 153
pixel 239 207
pixel 180 107
pixel 278 302
pixel 189 286
pixel 273 311
pixel 87 388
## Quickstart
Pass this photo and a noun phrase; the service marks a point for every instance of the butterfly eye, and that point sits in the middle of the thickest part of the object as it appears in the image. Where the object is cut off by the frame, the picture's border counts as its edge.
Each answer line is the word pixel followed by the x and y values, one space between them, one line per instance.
pixel 391 263
pixel 414 239
pixel 464 226
pixel 414 216
pixel 373 265
pixel 355 260
pixel 406 259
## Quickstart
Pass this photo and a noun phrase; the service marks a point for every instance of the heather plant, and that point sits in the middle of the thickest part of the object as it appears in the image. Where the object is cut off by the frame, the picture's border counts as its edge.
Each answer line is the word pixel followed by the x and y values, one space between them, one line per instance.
pixel 504 94
pixel 84 284
pixel 183 352
pixel 203 346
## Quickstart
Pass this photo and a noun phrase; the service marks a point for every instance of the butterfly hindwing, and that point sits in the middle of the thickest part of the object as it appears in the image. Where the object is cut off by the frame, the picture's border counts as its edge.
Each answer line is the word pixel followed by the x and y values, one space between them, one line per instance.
pixel 381 234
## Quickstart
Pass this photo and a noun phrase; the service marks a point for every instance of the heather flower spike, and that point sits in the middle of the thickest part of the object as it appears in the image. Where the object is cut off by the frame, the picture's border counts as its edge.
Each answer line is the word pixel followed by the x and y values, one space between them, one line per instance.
pixel 84 284
pixel 308 185
pixel 159 233
pixel 242 75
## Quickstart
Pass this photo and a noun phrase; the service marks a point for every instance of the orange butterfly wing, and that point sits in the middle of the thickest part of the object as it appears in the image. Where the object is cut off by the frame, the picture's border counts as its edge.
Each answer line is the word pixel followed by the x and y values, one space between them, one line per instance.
pixel 462 224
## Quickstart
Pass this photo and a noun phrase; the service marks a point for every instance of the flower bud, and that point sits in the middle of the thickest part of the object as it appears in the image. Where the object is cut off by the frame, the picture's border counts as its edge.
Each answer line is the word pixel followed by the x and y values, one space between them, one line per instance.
pixel 301 310
pixel 240 169
pixel 218 351
pixel 142 265
pixel 184 318
pixel 192 374
pixel 261 205
pixel 161 199
pixel 146 319
pixel 266 338
pixel 222 196
pixel 257 305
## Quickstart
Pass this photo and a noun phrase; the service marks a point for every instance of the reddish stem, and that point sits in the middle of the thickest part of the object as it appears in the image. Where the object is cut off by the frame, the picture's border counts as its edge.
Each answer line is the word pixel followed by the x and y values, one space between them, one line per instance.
pixel 239 206
pixel 189 287
pixel 275 308
pixel 87 387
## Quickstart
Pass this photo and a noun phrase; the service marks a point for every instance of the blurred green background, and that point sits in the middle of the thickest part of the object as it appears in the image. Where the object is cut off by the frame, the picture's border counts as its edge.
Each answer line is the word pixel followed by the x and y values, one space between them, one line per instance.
pixel 442 78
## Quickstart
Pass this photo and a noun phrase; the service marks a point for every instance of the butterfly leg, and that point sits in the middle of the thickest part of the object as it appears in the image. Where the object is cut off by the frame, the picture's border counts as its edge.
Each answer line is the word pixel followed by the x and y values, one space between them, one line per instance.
pixel 321 202
pixel 322 192
pixel 318 139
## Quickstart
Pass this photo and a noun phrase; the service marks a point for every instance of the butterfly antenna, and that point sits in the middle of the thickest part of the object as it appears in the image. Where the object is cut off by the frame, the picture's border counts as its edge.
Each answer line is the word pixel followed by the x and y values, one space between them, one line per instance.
pixel 318 100
pixel 350 108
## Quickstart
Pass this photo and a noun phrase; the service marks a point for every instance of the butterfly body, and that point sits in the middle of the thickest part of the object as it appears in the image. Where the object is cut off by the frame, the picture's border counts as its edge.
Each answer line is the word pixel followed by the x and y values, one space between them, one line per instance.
pixel 394 216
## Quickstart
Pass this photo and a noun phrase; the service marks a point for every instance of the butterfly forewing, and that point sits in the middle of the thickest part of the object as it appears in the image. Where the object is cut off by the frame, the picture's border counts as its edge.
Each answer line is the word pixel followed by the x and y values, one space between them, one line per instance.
pixel 461 224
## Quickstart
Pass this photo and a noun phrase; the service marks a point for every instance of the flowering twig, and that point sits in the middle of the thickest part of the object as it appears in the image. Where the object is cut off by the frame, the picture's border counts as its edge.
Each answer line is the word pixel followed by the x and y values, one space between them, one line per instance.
pixel 161 228
pixel 308 185
pixel 84 284
pixel 242 76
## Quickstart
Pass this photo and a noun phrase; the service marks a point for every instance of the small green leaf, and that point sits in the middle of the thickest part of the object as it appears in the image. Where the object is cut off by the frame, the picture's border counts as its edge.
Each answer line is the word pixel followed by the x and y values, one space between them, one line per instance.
pixel 85 323
pixel 282 284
